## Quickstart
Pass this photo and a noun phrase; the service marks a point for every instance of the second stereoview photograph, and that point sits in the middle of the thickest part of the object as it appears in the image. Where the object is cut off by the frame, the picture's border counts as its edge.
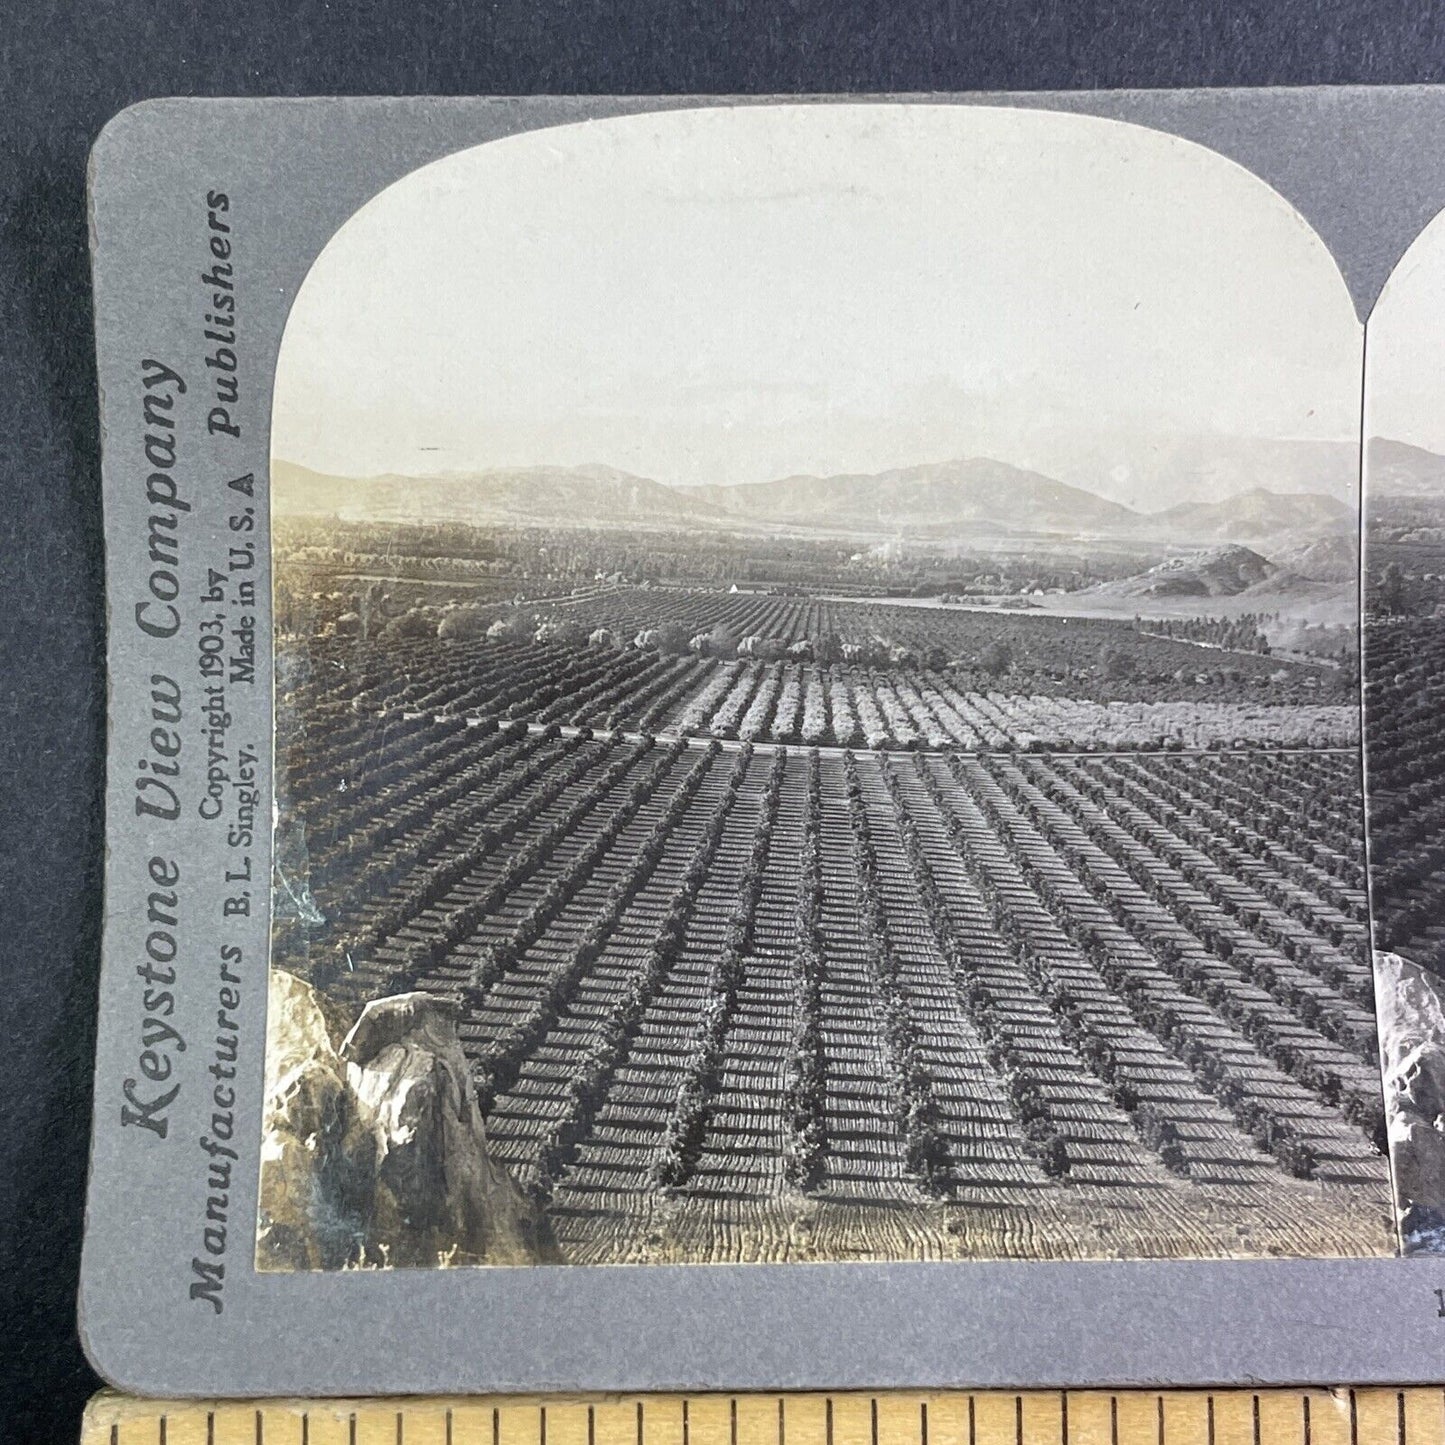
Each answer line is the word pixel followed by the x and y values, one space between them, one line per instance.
pixel 818 706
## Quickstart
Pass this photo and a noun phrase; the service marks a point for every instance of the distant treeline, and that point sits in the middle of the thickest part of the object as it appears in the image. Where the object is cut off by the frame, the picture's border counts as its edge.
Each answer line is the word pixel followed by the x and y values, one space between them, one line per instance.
pixel 568 557
pixel 1238 634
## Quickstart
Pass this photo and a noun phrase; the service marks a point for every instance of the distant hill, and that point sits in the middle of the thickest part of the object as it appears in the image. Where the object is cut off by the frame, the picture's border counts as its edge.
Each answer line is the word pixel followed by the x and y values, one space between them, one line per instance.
pixel 299 491
pixel 1397 469
pixel 1254 516
pixel 1138 469
pixel 955 500
pixel 1328 559
pixel 974 491
pixel 576 495
pixel 1218 572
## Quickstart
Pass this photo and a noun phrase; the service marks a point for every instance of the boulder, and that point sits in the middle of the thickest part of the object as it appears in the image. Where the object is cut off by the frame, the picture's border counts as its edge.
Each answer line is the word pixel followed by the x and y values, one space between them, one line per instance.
pixel 373 1150
pixel 1419 1154
pixel 1410 1007
pixel 438 1192
pixel 317 1150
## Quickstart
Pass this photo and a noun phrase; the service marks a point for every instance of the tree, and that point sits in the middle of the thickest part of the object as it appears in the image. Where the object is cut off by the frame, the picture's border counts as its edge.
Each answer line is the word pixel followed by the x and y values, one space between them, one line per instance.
pixel 762 649
pixel 997 658
pixel 568 632
pixel 463 625
pixel 1116 664
pixel 507 629
pixel 417 622
pixel 672 639
pixel 722 641
pixel 1391 593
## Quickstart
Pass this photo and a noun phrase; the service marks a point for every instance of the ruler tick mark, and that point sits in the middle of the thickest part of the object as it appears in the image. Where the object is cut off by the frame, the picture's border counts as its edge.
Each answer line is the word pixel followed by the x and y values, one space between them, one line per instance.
pixel 828 1416
pixel 1113 1420
pixel 1064 1417
pixel 733 1421
pixel 1399 1417
pixel 972 1423
pixel 449 1427
pixel 1018 1420
pixel 782 1429
pixel 542 1425
pixel 872 1419
pixel 260 1428
pixel 591 1427
pixel 1256 1419
pixel 923 1422
pixel 1307 1439
pixel 1209 1420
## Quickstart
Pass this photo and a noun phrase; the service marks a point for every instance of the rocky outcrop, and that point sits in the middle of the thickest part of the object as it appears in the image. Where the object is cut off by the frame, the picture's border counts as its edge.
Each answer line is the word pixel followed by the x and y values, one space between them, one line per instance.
pixel 373 1148
pixel 317 1153
pixel 1410 1006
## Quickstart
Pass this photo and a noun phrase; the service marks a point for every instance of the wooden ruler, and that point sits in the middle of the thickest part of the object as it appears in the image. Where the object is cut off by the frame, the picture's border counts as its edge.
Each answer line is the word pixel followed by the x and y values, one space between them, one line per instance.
pixel 1414 1416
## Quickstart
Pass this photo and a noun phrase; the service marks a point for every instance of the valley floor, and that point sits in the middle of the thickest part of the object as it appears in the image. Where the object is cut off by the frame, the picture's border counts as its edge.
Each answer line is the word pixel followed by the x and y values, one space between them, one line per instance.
pixel 780 960
pixel 1330 604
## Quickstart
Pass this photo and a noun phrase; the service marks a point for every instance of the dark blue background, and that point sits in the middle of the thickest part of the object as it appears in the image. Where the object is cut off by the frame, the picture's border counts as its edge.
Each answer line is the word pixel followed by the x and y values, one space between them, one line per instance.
pixel 65 68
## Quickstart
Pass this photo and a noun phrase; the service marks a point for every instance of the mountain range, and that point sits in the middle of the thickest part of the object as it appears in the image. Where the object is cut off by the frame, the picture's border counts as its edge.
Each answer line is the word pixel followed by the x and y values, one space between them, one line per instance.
pixel 1256 515
pixel 1188 468
pixel 972 491
pixel 975 496
pixel 586 495
pixel 1398 469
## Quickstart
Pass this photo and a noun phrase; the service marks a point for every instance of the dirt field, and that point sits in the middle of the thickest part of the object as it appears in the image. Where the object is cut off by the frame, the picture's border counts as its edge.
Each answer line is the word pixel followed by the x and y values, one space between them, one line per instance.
pixel 1288 1220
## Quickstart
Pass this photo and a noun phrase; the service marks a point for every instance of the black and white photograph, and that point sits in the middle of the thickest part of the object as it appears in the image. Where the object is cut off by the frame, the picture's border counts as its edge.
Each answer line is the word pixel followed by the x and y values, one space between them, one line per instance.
pixel 817 706
pixel 1404 647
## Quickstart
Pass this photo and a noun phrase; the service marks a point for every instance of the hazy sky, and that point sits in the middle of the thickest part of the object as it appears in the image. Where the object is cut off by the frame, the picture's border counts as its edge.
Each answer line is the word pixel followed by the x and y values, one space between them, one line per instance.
pixel 1405 385
pixel 735 295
